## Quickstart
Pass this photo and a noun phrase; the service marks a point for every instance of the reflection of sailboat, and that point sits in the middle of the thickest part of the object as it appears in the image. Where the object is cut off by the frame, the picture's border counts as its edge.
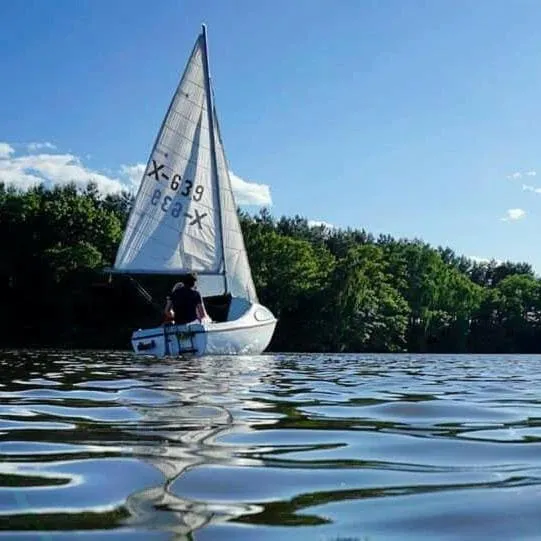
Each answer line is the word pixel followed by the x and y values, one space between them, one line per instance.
pixel 184 435
pixel 184 219
pixel 180 515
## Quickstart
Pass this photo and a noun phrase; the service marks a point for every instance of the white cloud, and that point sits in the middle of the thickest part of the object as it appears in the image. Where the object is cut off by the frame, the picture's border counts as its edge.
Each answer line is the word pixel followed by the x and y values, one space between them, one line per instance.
pixel 518 174
pixel 250 193
pixel 26 170
pixel 33 147
pixel 320 223
pixel 30 169
pixel 529 188
pixel 512 215
pixel 6 150
pixel 134 173
pixel 478 259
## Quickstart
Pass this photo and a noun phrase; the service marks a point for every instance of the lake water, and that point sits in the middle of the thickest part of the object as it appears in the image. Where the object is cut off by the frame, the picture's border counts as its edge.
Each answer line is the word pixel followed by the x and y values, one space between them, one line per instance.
pixel 305 447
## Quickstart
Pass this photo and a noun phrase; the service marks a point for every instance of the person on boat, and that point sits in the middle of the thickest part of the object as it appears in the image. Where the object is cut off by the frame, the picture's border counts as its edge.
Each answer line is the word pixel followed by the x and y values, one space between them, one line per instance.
pixel 168 314
pixel 185 303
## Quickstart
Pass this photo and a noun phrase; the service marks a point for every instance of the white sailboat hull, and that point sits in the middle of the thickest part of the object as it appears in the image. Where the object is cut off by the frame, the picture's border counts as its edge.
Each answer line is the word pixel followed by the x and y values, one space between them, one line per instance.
pixel 249 334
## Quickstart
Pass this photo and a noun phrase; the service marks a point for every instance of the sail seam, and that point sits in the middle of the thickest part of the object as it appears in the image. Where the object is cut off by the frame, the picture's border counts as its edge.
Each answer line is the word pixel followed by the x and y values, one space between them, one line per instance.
pixel 188 160
pixel 188 119
pixel 199 146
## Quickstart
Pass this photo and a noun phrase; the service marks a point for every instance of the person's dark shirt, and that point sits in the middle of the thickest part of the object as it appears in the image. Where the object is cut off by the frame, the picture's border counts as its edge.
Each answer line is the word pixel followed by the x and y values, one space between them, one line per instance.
pixel 184 302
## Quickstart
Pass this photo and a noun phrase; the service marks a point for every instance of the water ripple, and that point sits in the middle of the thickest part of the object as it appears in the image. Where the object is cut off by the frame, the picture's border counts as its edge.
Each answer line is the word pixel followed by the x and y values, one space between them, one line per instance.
pixel 303 447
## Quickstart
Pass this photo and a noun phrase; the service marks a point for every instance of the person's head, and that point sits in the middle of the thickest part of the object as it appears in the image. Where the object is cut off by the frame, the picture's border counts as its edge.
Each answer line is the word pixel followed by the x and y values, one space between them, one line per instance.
pixel 189 280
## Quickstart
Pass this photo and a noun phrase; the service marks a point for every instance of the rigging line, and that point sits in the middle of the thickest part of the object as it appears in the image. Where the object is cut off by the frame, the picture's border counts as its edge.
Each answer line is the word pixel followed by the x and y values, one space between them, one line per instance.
pixel 144 293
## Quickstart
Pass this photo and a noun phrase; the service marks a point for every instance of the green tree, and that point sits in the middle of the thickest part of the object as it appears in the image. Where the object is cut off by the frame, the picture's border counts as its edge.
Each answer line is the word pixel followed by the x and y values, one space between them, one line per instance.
pixel 366 313
pixel 332 289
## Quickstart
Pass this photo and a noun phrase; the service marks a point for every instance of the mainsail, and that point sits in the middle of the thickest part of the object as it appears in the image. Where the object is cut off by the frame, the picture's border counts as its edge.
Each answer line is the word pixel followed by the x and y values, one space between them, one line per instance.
pixel 184 218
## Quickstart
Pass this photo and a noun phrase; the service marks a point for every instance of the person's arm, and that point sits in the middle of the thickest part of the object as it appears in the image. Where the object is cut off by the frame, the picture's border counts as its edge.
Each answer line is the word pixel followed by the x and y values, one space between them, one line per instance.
pixel 168 310
pixel 201 311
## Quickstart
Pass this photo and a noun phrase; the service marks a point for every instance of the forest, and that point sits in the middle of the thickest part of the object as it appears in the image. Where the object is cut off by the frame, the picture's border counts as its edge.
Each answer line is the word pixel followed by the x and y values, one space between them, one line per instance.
pixel 332 290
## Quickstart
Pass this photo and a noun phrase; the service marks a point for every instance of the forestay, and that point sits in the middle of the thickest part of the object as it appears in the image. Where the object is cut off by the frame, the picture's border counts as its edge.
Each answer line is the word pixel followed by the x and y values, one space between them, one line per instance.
pixel 174 226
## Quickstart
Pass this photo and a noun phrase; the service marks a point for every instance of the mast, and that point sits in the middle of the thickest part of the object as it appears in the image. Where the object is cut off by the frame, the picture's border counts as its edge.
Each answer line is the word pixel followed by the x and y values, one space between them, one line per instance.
pixel 213 162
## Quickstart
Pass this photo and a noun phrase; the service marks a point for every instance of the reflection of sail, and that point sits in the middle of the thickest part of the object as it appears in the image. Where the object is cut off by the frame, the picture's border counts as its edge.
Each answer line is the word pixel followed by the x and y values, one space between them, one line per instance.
pixel 189 428
pixel 182 449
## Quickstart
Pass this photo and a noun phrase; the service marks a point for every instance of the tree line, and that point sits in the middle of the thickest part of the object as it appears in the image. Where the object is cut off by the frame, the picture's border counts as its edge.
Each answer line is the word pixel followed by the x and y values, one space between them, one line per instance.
pixel 333 290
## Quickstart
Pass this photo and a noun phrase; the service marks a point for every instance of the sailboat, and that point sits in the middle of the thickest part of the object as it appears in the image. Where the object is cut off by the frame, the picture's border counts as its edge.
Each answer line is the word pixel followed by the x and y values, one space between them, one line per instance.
pixel 184 220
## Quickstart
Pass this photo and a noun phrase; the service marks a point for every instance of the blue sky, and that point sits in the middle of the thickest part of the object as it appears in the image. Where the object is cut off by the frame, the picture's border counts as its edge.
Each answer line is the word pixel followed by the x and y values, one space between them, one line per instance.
pixel 414 118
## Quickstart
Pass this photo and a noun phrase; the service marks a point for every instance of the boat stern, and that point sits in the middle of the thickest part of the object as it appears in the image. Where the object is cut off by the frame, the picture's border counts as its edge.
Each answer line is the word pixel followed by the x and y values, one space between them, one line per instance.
pixel 168 340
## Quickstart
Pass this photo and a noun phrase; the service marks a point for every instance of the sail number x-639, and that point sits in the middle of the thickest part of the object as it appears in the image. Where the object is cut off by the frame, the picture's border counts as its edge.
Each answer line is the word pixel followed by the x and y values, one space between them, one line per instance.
pixel 175 182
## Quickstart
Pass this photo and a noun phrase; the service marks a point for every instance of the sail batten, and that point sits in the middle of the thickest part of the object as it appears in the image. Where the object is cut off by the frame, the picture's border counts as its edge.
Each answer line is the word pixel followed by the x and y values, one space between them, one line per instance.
pixel 184 217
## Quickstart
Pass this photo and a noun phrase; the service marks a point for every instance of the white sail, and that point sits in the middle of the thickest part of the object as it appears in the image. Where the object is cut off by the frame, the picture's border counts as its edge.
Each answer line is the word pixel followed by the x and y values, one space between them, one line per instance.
pixel 185 216
pixel 175 223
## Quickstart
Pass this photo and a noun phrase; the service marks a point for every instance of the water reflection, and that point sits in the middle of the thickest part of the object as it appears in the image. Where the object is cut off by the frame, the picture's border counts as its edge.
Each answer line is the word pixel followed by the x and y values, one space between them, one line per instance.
pixel 269 447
